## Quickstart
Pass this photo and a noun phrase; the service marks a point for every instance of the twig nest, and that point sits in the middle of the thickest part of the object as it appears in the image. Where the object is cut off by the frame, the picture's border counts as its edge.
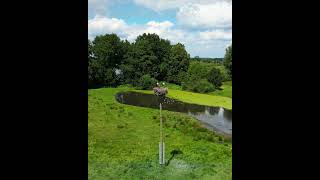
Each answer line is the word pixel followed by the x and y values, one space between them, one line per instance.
pixel 158 91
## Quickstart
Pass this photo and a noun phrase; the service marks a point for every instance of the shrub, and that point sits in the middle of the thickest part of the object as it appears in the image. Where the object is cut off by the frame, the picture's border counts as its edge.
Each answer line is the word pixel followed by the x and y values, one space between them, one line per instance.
pixel 215 77
pixel 146 82
pixel 197 85
pixel 202 86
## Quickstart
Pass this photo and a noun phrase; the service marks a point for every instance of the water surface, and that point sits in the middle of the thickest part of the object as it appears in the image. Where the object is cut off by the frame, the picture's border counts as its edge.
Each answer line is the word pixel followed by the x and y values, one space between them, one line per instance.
pixel 217 119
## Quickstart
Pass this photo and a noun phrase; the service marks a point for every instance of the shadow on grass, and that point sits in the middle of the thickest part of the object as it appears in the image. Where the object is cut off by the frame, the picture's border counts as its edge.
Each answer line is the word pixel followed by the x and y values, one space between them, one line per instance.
pixel 173 153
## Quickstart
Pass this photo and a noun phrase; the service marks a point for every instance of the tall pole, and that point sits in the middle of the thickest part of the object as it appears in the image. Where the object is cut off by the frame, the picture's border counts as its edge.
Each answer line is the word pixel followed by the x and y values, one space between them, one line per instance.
pixel 161 144
pixel 161 125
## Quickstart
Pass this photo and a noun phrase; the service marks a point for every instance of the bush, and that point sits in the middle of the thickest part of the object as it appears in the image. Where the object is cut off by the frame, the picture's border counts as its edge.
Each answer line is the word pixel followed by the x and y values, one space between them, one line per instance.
pixel 199 86
pixel 146 82
pixel 215 77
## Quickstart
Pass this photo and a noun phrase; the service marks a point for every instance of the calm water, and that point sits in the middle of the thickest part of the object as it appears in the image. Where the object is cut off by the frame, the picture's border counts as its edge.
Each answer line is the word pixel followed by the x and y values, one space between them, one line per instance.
pixel 214 118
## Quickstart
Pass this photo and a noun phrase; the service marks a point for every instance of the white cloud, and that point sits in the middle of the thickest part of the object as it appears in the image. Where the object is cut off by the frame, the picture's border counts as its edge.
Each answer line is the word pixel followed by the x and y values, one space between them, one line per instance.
pixel 160 5
pixel 162 25
pixel 216 35
pixel 102 25
pixel 214 15
pixel 98 6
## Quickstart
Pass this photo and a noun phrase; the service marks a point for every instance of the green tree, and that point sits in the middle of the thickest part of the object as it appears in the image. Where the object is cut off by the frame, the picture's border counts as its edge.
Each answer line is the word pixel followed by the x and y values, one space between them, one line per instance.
pixel 112 61
pixel 89 49
pixel 108 49
pixel 146 82
pixel 105 53
pixel 178 63
pixel 198 70
pixel 215 77
pixel 228 60
pixel 152 53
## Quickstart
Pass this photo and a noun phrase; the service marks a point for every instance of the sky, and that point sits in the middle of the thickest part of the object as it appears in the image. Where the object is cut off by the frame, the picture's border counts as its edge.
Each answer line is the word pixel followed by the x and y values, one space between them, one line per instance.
pixel 203 26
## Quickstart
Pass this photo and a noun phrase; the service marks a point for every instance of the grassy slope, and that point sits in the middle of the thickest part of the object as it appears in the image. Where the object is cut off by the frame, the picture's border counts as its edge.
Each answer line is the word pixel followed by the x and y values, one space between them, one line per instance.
pixel 123 143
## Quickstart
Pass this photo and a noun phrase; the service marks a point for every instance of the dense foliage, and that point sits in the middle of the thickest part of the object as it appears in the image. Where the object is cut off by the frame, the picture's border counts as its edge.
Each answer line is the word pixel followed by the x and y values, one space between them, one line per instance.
pixel 146 82
pixel 208 60
pixel 113 62
pixel 203 77
pixel 105 54
pixel 215 77
pixel 199 86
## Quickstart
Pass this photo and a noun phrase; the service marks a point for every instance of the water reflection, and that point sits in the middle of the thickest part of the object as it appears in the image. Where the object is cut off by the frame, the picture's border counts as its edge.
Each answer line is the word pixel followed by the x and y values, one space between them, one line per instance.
pixel 214 118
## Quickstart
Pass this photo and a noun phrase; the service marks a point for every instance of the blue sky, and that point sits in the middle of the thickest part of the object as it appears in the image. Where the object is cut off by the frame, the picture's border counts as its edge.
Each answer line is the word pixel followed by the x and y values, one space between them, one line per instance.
pixel 203 26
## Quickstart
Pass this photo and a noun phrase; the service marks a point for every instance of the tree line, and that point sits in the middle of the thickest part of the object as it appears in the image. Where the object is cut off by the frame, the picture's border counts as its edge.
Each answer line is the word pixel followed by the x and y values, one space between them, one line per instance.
pixel 208 60
pixel 112 61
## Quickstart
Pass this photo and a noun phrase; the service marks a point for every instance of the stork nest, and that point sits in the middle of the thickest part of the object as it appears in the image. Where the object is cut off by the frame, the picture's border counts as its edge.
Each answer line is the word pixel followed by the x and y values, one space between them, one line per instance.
pixel 158 91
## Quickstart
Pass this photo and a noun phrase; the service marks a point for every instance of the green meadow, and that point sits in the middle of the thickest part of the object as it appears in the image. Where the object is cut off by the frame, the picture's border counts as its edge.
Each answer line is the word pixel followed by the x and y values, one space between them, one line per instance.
pixel 124 139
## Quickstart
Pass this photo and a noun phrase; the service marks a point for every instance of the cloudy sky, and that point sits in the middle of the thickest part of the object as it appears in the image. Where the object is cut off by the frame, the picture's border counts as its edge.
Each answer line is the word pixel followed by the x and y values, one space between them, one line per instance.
pixel 203 26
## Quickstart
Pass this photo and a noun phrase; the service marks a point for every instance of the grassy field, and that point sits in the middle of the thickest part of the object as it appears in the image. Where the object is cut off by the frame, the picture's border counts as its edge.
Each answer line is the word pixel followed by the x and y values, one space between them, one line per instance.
pixel 123 142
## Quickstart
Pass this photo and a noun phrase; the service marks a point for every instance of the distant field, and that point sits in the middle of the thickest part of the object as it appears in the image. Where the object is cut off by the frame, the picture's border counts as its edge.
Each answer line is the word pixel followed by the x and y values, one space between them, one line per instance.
pixel 123 142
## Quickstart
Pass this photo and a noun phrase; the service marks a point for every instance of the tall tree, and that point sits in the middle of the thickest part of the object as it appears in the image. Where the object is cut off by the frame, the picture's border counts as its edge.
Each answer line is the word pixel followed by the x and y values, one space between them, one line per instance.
pixel 153 55
pixel 108 49
pixel 105 53
pixel 178 63
pixel 215 77
pixel 112 61
pixel 228 60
